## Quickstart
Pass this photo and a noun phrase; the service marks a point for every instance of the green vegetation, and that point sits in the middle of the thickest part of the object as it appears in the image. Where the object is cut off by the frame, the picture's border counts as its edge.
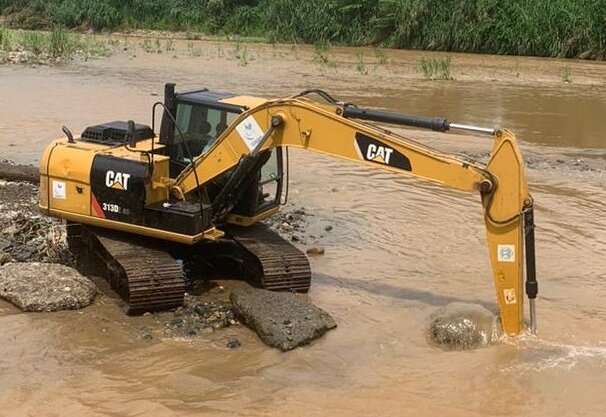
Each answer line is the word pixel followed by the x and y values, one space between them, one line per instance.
pixel 360 65
pixel 170 45
pixel 57 45
pixel 241 54
pixel 564 28
pixel 435 68
pixel 321 55
pixel 566 75
pixel 381 57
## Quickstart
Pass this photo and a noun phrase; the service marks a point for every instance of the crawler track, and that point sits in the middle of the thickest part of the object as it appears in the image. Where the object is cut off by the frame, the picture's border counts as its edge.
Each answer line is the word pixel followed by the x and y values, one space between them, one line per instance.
pixel 274 263
pixel 146 277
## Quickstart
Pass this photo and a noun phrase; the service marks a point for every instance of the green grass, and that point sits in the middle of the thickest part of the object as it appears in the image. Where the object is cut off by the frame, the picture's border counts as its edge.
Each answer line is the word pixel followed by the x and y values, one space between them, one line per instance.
pixel 562 28
pixel 34 42
pixel 6 43
pixel 147 46
pixel 241 54
pixel 381 57
pixel 360 65
pixel 566 75
pixel 170 45
pixel 60 44
pixel 321 55
pixel 435 68
pixel 57 44
pixel 194 51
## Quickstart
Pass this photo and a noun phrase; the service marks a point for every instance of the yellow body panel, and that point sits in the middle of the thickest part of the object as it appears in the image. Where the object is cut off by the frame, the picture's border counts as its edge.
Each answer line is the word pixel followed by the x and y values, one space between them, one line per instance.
pixel 210 234
pixel 70 164
pixel 65 176
pixel 248 102
pixel 249 221
pixel 158 189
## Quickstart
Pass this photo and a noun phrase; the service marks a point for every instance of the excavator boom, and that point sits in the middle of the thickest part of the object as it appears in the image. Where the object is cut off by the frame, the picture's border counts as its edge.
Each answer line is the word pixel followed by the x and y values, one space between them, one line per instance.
pixel 332 129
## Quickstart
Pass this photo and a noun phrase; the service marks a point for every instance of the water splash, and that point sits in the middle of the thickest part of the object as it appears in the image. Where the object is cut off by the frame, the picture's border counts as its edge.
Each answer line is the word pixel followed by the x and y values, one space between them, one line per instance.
pixel 539 355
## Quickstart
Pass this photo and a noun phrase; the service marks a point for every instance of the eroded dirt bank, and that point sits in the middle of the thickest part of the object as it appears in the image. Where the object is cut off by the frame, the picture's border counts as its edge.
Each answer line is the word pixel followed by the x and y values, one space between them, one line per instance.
pixel 397 249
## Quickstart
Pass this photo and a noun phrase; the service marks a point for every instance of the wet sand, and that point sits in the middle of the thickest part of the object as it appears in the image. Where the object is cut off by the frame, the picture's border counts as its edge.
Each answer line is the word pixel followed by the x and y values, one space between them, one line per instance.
pixel 399 249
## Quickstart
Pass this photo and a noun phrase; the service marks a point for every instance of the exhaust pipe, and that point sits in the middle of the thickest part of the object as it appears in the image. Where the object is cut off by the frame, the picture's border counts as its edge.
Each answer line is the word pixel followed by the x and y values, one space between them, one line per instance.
pixel 167 129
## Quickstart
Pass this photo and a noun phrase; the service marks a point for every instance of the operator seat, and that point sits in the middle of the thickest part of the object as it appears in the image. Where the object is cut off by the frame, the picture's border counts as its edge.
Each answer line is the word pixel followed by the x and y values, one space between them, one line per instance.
pixel 203 138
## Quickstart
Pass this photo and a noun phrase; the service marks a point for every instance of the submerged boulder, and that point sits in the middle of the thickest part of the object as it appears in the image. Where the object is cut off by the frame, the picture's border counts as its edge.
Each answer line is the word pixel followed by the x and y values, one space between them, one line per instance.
pixel 460 326
pixel 282 320
pixel 35 286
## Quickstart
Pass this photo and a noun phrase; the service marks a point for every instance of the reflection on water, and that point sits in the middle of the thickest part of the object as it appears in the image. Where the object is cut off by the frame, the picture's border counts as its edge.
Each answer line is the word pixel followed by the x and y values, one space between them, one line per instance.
pixel 398 251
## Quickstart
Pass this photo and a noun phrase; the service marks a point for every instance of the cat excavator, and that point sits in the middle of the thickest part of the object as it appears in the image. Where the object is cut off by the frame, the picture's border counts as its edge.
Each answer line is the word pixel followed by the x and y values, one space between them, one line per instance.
pixel 148 211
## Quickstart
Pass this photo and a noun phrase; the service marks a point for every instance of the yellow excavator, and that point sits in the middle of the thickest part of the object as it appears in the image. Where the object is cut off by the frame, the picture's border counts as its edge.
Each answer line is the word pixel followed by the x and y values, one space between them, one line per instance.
pixel 149 211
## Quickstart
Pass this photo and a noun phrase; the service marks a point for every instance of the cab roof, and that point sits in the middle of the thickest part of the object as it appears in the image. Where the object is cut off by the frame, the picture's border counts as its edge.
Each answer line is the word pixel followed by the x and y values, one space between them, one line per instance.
pixel 220 100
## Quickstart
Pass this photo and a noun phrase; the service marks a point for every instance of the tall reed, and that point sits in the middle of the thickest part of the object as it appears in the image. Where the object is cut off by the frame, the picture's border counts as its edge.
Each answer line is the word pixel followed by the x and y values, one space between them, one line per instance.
pixel 564 28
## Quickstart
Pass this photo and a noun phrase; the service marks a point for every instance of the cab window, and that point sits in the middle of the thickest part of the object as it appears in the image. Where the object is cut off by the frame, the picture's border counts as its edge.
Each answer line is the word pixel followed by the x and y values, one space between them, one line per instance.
pixel 201 126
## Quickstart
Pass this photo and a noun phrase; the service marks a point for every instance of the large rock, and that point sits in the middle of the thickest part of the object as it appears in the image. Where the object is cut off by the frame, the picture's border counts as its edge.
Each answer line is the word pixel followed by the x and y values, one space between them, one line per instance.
pixel 282 320
pixel 460 326
pixel 38 286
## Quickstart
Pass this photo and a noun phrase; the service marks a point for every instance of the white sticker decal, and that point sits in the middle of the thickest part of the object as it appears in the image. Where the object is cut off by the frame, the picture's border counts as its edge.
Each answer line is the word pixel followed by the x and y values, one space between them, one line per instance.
pixel 59 190
pixel 250 132
pixel 510 296
pixel 506 253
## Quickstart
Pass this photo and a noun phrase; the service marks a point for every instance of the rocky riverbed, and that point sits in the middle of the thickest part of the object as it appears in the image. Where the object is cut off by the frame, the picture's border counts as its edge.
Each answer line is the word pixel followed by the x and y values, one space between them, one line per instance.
pixel 206 309
pixel 25 234
pixel 32 243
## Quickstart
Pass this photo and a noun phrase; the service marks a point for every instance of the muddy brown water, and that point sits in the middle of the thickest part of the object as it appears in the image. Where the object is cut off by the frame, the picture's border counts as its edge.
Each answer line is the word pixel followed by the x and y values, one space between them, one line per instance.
pixel 399 249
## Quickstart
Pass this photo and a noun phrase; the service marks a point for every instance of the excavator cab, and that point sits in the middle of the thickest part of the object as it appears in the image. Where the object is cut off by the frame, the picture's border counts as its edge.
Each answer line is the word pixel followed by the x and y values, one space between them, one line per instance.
pixel 200 118
pixel 191 125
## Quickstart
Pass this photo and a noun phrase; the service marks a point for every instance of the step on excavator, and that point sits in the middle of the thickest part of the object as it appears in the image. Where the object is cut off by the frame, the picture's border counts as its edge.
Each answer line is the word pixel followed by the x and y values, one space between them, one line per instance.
pixel 148 211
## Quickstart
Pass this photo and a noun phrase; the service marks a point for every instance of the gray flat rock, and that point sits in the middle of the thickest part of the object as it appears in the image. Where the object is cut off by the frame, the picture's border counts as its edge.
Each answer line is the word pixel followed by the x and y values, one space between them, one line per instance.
pixel 461 326
pixel 282 320
pixel 35 286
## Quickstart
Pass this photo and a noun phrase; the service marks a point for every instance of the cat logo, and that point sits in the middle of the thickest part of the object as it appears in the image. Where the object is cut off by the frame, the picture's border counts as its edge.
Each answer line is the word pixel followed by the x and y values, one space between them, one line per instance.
pixel 373 150
pixel 117 180
pixel 377 153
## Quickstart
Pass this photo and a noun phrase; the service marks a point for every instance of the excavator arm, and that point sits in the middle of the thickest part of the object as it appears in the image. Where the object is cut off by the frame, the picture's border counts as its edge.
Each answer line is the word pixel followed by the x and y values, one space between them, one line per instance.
pixel 334 129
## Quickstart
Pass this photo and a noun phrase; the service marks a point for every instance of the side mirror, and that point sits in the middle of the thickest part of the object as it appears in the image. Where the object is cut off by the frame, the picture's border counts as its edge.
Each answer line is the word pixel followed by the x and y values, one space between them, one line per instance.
pixel 132 140
pixel 68 134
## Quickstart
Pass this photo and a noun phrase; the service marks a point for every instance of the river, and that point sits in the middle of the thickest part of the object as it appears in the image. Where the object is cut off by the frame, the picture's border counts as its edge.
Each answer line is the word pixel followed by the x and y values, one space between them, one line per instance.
pixel 399 248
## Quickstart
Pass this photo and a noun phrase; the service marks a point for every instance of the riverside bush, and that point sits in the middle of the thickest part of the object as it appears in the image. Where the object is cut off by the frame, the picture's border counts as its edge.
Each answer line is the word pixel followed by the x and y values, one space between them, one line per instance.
pixel 564 28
